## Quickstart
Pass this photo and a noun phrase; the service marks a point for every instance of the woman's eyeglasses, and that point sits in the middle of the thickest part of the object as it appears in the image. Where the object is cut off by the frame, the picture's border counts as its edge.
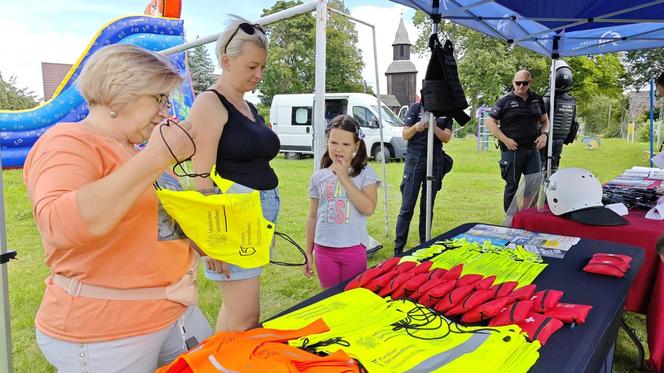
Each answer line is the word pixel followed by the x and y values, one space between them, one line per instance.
pixel 522 82
pixel 248 29
pixel 164 101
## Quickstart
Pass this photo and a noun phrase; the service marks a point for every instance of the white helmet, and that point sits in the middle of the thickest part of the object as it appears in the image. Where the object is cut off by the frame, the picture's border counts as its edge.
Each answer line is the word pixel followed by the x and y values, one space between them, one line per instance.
pixel 577 192
pixel 572 189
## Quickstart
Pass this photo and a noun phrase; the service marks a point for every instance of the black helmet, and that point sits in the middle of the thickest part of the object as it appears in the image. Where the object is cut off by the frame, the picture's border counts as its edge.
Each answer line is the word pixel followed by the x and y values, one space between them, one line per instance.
pixel 563 77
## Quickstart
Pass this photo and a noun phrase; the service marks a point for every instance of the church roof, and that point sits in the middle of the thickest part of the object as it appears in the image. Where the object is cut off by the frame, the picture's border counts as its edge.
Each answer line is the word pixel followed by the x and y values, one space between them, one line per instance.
pixel 401 36
pixel 401 66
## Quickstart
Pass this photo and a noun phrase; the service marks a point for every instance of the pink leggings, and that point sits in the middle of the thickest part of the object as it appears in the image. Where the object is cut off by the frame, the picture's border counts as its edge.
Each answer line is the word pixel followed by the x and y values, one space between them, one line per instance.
pixel 338 264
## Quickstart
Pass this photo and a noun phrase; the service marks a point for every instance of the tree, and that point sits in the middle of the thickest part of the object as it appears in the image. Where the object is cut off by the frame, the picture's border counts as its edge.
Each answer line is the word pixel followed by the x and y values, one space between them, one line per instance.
pixel 644 64
pixel 201 68
pixel 598 84
pixel 14 98
pixel 291 66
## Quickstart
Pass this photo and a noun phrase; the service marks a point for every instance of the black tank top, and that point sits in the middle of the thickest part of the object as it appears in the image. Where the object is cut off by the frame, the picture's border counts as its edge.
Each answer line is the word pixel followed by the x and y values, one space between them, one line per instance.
pixel 246 148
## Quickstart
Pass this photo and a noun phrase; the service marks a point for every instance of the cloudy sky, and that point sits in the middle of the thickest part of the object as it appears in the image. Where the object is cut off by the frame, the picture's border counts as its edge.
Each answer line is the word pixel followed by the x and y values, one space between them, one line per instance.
pixel 35 31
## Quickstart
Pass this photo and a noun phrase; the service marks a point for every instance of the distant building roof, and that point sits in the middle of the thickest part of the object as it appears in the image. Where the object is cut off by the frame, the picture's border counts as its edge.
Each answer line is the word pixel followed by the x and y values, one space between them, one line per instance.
pixel 401 66
pixel 390 100
pixel 52 76
pixel 401 36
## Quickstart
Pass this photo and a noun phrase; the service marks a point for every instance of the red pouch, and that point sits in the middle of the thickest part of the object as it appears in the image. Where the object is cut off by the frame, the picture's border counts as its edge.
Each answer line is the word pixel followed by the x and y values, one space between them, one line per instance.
pixel 417 294
pixel 512 314
pixel 437 273
pixel 473 300
pixel 410 286
pixel 539 327
pixel 503 289
pixel 389 264
pixel 364 278
pixel 421 268
pixel 570 313
pixel 624 258
pixel 453 298
pixel 380 282
pixel 405 266
pixel 616 262
pixel 468 280
pixel 607 269
pixel 394 284
pixel 523 293
pixel 545 300
pixel 485 283
pixel 454 272
pixel 485 311
pixel 435 294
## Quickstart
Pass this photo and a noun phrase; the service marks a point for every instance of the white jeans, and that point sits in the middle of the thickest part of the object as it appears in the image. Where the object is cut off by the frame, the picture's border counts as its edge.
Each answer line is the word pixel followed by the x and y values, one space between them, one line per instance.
pixel 139 354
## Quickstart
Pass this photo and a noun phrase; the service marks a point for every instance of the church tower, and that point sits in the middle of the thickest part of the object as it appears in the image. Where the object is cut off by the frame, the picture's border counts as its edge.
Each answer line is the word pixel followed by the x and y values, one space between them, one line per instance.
pixel 401 74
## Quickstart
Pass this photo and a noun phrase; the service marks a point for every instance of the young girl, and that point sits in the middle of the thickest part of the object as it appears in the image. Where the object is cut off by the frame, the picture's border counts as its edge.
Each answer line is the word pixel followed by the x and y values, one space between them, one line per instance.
pixel 343 193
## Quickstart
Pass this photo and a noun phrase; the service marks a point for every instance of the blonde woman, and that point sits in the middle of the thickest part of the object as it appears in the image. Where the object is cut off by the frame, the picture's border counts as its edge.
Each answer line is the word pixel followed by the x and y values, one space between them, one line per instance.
pixel 118 299
pixel 235 138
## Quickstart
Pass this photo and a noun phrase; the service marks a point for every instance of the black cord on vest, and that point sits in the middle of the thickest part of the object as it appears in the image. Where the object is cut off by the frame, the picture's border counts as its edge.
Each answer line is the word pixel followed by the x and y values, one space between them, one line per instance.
pixel 298 247
pixel 178 163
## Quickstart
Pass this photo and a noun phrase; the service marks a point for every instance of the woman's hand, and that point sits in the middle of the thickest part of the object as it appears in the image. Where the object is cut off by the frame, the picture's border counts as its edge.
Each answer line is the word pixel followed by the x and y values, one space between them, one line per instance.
pixel 218 266
pixel 170 141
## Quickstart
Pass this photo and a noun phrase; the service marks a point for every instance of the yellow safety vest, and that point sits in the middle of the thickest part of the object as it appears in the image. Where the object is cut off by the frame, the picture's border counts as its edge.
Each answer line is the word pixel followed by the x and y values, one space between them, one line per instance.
pixel 229 226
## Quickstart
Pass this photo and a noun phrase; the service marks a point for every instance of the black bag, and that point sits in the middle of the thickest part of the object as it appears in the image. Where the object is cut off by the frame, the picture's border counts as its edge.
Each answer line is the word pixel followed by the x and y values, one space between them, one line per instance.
pixel 448 162
pixel 442 93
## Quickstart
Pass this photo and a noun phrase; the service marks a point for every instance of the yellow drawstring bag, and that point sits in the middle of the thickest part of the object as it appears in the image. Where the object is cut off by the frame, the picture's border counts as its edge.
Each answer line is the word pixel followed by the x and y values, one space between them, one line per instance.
pixel 229 226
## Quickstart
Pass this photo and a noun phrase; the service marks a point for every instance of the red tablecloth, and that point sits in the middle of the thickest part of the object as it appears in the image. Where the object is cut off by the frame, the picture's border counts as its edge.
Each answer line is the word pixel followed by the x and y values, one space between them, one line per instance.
pixel 647 292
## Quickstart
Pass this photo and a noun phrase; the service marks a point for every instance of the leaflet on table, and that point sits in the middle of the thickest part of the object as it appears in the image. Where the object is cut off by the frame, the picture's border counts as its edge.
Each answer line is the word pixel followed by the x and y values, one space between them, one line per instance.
pixel 549 245
pixel 549 253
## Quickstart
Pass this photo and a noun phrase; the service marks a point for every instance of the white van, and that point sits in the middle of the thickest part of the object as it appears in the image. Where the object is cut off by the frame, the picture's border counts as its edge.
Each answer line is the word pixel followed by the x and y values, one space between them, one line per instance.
pixel 291 120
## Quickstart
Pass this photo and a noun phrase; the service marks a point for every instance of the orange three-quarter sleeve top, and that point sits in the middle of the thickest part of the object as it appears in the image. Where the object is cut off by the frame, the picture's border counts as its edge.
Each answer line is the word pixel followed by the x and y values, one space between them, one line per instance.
pixel 67 157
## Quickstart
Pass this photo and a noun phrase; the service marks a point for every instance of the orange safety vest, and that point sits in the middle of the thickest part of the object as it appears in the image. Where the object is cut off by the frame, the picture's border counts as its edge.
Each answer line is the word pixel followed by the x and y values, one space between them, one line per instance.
pixel 260 350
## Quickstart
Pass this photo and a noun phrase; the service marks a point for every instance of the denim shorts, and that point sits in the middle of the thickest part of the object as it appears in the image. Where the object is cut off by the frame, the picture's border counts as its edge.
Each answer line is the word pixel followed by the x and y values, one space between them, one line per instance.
pixel 270 205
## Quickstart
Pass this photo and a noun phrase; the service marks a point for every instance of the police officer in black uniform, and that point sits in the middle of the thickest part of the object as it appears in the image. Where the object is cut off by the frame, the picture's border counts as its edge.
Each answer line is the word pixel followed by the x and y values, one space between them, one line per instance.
pixel 565 126
pixel 519 121
pixel 415 168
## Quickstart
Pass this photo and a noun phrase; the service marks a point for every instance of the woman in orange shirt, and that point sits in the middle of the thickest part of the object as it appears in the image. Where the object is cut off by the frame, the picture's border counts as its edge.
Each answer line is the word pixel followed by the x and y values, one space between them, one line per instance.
pixel 118 298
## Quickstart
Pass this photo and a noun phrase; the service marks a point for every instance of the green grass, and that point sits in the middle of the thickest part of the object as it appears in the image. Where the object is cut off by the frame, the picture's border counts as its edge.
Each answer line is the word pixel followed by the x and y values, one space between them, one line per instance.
pixel 472 192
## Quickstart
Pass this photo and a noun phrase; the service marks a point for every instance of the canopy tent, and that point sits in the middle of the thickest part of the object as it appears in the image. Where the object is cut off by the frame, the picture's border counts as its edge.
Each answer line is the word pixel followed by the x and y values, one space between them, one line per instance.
pixel 563 28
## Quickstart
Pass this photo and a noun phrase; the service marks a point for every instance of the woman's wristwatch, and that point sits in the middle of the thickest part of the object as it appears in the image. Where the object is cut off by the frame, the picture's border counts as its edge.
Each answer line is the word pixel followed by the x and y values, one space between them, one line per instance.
pixel 545 133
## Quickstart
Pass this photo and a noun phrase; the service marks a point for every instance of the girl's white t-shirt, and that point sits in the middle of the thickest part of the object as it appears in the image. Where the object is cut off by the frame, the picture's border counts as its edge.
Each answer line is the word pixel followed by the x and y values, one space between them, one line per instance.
pixel 339 223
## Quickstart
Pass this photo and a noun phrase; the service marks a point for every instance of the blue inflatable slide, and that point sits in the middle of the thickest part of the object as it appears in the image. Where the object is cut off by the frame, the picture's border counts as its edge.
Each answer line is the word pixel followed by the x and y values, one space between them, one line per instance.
pixel 19 130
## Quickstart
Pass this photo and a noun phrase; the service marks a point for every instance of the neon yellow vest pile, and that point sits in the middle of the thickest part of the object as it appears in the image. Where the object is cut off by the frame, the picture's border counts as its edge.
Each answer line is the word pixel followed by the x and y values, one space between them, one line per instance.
pixel 364 322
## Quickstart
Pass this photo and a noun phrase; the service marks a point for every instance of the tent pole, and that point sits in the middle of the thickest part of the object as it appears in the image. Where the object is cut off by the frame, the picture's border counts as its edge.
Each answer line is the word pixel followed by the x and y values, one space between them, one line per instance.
pixel 380 127
pixel 432 123
pixel 319 87
pixel 652 119
pixel 380 112
pixel 5 321
pixel 552 102
pixel 267 20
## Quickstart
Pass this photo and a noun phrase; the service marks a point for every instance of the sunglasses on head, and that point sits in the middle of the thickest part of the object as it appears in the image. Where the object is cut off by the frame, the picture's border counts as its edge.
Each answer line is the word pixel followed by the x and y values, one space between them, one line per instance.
pixel 248 29
pixel 522 82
